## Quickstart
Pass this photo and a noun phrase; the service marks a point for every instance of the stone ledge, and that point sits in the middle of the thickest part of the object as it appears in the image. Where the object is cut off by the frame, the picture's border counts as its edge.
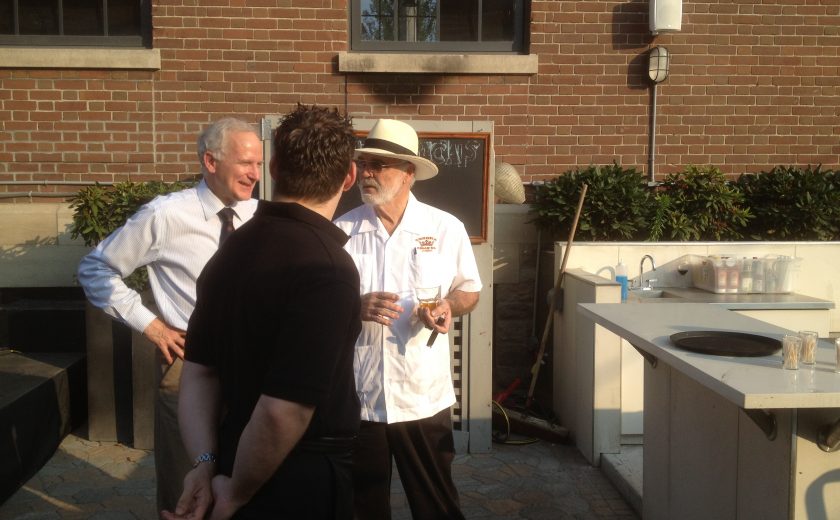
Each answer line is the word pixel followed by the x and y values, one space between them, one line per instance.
pixel 79 58
pixel 437 63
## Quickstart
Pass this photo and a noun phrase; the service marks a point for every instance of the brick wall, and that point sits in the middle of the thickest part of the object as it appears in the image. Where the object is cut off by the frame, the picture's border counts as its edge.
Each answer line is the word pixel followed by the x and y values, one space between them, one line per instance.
pixel 753 84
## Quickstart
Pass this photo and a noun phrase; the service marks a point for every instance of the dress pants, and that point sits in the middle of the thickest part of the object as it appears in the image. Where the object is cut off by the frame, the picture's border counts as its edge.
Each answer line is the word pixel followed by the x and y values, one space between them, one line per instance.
pixel 171 460
pixel 307 486
pixel 423 451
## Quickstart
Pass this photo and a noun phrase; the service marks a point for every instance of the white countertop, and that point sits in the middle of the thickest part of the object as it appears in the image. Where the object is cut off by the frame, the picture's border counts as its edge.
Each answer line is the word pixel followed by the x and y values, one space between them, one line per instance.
pixel 749 382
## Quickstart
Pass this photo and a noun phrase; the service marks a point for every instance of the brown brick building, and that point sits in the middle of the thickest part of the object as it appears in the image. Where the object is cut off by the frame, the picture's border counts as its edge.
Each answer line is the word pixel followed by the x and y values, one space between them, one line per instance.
pixel 752 84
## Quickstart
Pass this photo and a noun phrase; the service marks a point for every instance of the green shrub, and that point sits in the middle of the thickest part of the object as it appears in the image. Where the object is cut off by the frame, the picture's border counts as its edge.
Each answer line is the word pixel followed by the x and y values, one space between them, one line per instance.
pixel 789 203
pixel 699 204
pixel 98 211
pixel 616 207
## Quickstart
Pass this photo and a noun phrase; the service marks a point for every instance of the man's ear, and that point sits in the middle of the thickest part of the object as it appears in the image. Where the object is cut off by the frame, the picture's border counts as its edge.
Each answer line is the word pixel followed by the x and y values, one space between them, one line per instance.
pixel 350 179
pixel 209 162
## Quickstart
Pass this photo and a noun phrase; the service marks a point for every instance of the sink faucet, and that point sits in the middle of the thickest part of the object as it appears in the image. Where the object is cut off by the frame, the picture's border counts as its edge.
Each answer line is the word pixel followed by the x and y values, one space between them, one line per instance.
pixel 642 270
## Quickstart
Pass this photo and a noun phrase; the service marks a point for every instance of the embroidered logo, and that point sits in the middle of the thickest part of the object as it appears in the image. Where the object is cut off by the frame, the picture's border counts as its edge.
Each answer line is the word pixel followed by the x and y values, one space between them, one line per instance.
pixel 426 244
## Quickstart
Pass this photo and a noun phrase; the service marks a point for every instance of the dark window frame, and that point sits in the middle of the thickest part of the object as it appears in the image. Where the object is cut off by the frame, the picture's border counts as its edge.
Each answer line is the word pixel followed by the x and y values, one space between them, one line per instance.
pixel 141 40
pixel 516 46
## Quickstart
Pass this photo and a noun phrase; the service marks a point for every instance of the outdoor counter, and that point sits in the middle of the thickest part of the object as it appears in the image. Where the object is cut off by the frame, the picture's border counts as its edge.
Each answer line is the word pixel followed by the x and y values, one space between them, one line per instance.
pixel 728 437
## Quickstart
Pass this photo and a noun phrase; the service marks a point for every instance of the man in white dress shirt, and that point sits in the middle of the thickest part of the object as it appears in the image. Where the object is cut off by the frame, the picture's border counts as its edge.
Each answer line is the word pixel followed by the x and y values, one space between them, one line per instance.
pixel 173 236
pixel 405 387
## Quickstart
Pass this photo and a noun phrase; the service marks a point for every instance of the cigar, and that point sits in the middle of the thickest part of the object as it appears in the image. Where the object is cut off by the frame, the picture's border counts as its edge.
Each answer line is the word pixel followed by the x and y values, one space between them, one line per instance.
pixel 434 334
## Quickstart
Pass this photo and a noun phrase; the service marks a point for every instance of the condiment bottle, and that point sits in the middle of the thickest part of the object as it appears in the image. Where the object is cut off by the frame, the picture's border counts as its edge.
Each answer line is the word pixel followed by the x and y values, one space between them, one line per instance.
pixel 621 278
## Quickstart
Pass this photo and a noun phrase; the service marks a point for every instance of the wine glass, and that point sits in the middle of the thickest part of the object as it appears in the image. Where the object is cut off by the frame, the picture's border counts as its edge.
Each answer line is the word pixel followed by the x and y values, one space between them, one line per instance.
pixel 682 269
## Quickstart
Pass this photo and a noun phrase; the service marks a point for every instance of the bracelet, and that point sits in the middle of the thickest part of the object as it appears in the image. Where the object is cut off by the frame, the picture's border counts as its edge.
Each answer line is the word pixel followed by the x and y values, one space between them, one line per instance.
pixel 204 457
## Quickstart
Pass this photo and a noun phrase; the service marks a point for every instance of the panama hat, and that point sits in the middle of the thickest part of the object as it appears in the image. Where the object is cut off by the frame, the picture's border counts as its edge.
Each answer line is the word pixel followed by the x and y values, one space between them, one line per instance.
pixel 395 139
pixel 508 184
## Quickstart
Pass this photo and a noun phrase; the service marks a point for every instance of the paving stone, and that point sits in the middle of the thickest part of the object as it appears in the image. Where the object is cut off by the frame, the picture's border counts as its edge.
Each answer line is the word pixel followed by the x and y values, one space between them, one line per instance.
pixel 539 481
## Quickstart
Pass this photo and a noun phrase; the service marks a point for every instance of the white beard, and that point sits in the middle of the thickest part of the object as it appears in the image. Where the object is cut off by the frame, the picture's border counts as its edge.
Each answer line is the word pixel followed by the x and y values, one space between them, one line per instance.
pixel 383 195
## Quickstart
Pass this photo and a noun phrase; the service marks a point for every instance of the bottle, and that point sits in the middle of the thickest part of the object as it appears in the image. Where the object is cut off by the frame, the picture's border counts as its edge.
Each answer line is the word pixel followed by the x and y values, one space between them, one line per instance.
pixel 733 273
pixel 758 275
pixel 621 278
pixel 746 285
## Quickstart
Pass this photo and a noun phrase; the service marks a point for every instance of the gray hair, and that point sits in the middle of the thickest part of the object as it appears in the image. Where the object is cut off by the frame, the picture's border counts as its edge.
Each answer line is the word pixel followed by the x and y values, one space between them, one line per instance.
pixel 214 138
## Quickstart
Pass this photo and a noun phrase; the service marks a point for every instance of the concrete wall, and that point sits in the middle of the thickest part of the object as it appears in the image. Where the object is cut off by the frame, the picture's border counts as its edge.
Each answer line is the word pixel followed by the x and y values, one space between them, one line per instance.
pixel 36 249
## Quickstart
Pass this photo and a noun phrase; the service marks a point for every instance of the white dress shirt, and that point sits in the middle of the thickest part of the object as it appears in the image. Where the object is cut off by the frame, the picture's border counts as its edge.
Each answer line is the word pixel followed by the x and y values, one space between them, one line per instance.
pixel 399 378
pixel 174 235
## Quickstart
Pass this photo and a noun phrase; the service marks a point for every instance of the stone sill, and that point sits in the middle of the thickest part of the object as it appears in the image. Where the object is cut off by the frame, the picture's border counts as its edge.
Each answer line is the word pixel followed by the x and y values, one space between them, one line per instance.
pixel 437 63
pixel 79 58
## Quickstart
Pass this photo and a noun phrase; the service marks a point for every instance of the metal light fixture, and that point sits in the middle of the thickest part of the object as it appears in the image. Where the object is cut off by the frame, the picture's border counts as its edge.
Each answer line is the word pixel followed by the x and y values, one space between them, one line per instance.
pixel 659 64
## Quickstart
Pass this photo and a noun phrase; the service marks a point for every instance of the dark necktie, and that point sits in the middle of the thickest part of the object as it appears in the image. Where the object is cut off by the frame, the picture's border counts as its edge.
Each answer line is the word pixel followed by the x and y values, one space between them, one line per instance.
pixel 226 216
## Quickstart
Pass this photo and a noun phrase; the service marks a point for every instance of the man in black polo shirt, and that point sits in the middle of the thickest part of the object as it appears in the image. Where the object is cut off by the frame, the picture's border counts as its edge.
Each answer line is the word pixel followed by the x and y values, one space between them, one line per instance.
pixel 268 406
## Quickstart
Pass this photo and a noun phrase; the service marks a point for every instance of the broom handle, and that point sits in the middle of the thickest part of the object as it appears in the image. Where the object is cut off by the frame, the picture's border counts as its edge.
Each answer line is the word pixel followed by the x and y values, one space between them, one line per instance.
pixel 536 369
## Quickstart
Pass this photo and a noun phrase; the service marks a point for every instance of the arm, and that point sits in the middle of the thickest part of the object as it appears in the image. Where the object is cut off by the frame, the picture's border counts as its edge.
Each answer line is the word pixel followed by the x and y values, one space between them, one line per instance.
pixel 456 303
pixel 275 428
pixel 101 273
pixel 198 418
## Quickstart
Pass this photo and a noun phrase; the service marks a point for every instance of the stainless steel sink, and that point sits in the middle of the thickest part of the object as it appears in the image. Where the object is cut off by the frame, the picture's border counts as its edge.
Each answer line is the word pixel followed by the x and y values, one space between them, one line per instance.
pixel 640 295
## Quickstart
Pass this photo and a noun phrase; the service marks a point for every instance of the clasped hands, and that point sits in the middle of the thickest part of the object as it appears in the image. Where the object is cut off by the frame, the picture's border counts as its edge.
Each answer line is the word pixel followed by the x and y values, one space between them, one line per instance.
pixel 382 307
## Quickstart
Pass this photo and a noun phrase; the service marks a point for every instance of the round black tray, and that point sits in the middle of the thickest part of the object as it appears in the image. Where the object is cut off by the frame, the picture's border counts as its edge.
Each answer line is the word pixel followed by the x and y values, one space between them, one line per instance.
pixel 726 343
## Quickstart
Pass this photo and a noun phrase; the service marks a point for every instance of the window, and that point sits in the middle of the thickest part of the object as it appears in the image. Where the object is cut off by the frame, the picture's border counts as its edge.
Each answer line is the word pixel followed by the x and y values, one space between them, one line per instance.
pixel 119 23
pixel 438 25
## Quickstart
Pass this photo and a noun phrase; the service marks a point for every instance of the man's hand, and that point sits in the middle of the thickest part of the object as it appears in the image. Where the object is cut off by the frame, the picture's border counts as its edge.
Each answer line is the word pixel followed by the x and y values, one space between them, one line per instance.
pixel 380 307
pixel 438 319
pixel 197 496
pixel 168 340
pixel 225 506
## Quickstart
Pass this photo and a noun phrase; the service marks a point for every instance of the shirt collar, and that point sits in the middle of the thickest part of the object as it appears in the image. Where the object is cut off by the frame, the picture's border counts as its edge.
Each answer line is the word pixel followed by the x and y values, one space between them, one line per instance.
pixel 411 222
pixel 295 211
pixel 211 204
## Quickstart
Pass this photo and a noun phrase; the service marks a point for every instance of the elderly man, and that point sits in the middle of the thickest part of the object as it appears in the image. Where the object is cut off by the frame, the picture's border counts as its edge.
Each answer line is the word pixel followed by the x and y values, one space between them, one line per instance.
pixel 173 236
pixel 400 244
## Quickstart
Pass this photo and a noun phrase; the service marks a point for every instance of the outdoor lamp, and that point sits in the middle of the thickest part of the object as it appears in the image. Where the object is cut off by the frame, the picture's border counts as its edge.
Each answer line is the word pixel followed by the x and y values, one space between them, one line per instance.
pixel 659 63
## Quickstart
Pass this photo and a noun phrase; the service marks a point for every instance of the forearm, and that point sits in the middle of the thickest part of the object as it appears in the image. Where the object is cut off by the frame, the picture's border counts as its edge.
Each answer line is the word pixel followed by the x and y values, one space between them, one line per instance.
pixel 461 302
pixel 199 409
pixel 275 428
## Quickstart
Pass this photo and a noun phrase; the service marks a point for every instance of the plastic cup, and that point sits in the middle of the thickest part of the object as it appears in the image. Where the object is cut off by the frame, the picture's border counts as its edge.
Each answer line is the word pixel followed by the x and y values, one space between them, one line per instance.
pixel 809 347
pixel 791 346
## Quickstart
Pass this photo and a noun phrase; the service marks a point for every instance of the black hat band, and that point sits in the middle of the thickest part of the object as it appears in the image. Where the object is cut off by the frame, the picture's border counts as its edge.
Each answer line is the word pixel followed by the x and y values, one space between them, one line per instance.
pixel 382 144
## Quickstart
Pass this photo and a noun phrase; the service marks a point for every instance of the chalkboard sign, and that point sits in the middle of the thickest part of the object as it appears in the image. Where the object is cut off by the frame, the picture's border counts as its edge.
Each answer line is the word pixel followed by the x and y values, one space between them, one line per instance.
pixel 459 188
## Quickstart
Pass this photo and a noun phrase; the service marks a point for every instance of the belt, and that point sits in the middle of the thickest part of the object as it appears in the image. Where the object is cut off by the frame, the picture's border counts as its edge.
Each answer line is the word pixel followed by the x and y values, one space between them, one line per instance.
pixel 327 445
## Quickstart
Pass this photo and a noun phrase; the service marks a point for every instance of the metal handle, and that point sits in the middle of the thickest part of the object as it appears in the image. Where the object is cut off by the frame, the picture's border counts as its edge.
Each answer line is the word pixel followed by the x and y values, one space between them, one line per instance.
pixel 828 438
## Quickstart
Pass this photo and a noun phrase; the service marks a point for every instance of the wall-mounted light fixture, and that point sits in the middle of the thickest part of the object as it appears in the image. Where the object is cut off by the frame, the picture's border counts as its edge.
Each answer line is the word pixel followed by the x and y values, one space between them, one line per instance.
pixel 659 64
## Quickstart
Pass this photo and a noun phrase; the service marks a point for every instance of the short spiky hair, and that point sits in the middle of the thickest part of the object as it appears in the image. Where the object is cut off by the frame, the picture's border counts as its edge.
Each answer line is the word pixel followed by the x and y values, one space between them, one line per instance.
pixel 313 148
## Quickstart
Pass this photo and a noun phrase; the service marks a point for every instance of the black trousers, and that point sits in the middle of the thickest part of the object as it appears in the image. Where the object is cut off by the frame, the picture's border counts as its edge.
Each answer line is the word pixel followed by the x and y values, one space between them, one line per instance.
pixel 423 451
pixel 310 484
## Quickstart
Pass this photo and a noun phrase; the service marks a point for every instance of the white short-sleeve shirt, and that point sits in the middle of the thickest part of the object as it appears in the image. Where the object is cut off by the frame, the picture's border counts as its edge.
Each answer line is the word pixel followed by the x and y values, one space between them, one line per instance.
pixel 399 378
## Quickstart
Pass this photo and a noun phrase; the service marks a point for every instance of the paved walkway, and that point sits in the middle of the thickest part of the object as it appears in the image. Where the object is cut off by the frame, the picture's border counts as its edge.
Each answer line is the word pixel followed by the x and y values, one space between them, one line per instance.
pixel 106 481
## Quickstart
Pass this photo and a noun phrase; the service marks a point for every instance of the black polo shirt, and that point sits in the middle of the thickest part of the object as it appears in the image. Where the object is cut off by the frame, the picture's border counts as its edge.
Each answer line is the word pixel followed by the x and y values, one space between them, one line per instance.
pixel 277 313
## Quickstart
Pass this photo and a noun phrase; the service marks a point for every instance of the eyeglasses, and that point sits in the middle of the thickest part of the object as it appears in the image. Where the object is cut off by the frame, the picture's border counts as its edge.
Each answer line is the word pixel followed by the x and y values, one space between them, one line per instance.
pixel 374 165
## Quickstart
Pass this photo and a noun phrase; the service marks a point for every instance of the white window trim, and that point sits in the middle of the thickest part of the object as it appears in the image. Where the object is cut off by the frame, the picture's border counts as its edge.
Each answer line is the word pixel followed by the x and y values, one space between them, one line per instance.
pixel 78 58
pixel 438 63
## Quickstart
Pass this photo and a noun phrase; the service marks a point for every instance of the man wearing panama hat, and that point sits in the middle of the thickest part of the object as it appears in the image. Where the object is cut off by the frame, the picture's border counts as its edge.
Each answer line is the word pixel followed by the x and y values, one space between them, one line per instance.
pixel 402 370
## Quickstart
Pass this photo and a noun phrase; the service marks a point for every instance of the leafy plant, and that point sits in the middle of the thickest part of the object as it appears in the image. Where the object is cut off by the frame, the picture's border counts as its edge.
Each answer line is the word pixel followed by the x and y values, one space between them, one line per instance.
pixel 699 204
pixel 792 203
pixel 98 211
pixel 616 207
